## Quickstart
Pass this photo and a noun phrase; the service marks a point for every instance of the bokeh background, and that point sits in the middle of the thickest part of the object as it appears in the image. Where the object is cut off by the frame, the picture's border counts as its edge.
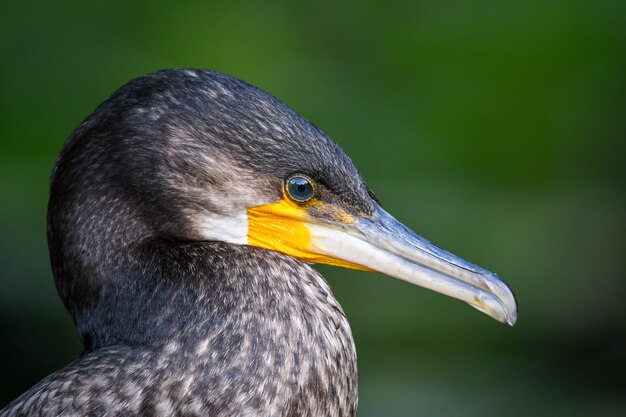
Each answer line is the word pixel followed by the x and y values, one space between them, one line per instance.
pixel 495 129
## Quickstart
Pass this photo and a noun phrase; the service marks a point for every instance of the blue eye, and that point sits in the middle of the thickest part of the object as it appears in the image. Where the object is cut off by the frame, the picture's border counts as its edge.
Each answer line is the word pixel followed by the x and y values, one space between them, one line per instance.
pixel 300 188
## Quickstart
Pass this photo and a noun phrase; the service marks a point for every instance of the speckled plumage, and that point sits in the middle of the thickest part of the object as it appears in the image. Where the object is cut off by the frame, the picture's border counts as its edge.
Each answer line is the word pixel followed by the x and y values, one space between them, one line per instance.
pixel 174 323
pixel 266 340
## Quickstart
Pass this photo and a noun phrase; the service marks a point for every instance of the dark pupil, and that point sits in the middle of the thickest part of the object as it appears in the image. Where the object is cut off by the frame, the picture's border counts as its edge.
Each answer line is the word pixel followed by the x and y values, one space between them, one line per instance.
pixel 300 188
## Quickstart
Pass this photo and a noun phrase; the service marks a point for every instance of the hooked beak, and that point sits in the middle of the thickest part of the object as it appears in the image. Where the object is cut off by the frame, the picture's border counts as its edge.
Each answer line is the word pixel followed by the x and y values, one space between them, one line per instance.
pixel 383 244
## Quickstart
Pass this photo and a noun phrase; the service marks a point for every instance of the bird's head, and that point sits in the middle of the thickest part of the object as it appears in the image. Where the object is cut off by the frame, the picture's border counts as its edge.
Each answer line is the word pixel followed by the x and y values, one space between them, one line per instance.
pixel 201 156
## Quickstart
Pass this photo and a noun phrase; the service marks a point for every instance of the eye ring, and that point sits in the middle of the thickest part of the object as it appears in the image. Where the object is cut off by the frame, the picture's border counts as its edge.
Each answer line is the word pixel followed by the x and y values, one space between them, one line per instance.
pixel 300 188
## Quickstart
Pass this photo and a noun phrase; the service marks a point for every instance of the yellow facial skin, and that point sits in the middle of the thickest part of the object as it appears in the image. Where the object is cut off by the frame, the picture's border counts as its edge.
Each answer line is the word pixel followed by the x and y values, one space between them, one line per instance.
pixel 282 227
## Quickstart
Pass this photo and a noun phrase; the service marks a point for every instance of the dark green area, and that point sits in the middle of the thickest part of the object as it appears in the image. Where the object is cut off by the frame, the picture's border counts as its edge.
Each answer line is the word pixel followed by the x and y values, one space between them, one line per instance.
pixel 496 129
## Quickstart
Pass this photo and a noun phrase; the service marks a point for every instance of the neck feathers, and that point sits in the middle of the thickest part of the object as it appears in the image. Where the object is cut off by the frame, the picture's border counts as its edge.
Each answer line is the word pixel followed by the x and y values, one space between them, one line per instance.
pixel 251 328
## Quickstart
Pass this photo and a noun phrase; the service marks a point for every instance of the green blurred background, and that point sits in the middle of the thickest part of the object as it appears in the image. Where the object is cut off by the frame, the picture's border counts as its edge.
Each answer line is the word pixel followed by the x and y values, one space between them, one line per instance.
pixel 496 129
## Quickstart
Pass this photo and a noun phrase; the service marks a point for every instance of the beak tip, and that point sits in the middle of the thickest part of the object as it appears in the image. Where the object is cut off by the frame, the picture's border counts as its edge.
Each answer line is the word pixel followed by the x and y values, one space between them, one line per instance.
pixel 512 318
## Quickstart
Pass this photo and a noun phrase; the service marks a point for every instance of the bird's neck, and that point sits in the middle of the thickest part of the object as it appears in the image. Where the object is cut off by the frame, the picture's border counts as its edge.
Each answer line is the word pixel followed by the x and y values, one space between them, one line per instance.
pixel 232 316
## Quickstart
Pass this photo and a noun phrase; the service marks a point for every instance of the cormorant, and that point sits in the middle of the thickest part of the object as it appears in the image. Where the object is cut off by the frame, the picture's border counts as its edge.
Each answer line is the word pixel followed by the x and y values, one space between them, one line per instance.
pixel 182 218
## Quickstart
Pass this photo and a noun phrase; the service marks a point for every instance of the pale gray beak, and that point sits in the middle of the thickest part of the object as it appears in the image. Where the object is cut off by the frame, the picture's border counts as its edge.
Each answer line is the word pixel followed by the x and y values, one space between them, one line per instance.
pixel 384 244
